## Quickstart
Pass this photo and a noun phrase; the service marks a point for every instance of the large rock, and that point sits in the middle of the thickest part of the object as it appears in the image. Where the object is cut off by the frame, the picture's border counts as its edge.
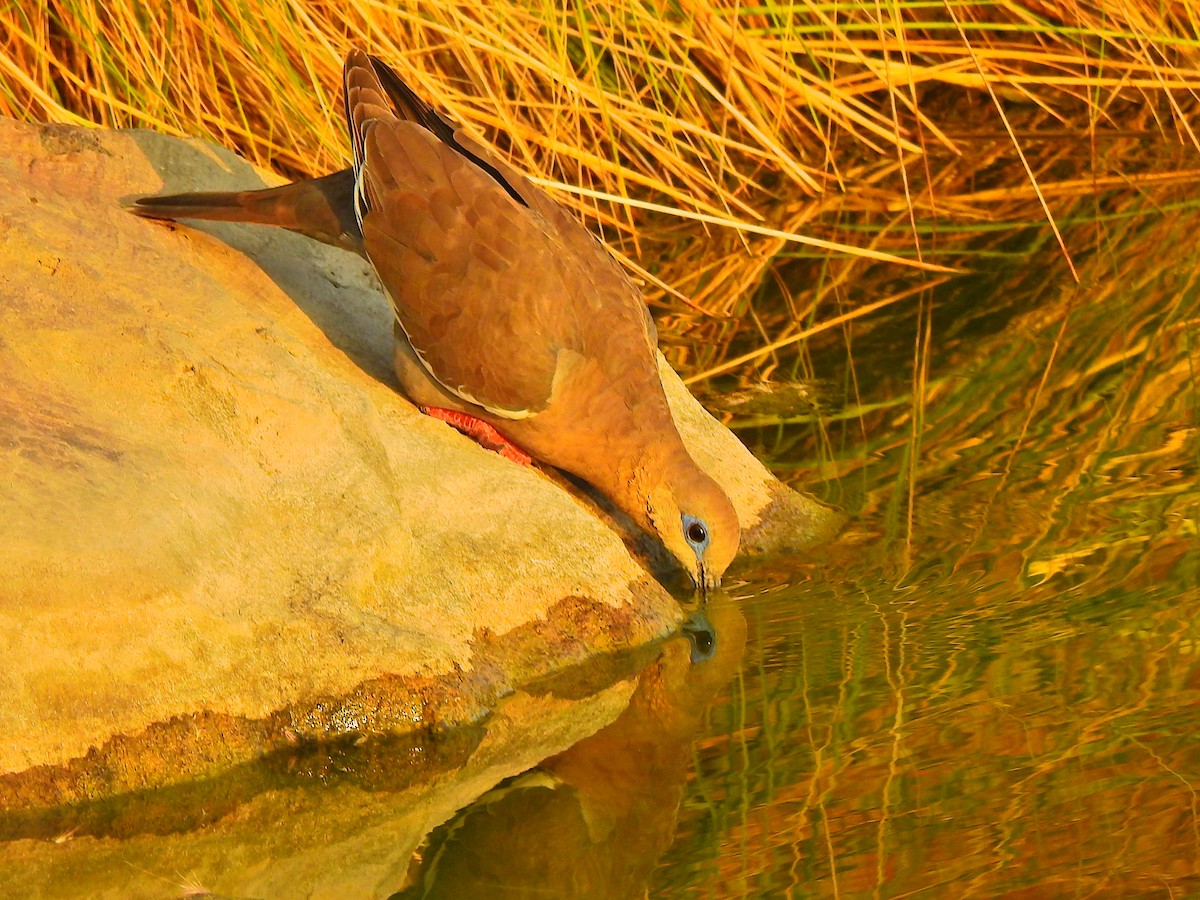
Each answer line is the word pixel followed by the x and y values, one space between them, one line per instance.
pixel 215 504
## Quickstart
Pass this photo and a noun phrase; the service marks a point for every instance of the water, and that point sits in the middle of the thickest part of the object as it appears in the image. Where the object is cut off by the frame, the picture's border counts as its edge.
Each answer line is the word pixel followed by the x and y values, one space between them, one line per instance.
pixel 962 733
pixel 989 686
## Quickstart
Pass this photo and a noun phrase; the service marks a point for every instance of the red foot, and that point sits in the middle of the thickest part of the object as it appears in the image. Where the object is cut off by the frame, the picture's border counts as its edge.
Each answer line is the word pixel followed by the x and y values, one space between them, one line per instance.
pixel 483 433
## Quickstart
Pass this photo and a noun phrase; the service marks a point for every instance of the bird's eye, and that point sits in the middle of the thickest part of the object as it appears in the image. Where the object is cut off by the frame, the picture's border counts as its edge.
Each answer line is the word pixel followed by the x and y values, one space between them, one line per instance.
pixel 696 533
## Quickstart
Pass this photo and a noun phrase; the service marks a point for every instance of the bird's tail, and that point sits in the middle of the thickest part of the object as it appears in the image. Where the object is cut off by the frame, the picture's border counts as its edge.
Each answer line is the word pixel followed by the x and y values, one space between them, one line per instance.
pixel 321 208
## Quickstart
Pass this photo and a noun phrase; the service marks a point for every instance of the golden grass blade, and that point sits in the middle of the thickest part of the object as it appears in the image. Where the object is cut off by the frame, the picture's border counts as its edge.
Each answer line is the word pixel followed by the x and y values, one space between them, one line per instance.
pixel 731 364
pixel 748 227
pixel 1016 143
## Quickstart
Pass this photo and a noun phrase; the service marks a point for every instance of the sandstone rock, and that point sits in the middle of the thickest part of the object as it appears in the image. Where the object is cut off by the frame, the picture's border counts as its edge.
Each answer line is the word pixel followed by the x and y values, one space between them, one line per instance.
pixel 215 504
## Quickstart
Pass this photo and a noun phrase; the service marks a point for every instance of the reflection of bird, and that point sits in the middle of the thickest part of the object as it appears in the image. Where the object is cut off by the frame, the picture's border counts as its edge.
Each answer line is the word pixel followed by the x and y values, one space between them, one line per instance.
pixel 513 323
pixel 593 820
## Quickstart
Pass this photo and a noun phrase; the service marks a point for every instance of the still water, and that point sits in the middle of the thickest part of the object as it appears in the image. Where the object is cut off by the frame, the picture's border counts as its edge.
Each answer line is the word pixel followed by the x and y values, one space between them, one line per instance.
pixel 988 686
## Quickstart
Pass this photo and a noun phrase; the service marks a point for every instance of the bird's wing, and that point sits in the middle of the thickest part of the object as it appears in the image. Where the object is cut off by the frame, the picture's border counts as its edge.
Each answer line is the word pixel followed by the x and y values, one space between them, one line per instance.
pixel 490 279
pixel 569 232
pixel 477 285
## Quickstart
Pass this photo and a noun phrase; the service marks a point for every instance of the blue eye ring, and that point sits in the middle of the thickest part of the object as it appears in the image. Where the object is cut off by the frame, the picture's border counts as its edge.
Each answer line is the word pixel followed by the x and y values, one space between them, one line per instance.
pixel 695 532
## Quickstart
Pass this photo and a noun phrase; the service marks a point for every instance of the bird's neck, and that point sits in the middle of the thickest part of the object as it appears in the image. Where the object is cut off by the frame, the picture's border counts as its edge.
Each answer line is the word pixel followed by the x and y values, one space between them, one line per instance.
pixel 641 477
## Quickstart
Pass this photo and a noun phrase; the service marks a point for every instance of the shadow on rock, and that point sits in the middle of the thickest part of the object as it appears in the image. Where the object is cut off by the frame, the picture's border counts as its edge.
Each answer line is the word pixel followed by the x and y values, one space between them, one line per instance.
pixel 355 316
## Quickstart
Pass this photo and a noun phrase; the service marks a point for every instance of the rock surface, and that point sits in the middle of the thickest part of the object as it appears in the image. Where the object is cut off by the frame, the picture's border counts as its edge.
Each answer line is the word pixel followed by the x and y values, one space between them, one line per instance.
pixel 215 505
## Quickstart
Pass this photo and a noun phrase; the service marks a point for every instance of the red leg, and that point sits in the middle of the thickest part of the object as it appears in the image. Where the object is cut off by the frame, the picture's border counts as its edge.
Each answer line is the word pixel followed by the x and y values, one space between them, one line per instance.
pixel 481 432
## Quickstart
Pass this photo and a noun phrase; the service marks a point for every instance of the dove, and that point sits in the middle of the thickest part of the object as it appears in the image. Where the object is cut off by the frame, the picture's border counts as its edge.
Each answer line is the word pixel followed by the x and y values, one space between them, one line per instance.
pixel 512 322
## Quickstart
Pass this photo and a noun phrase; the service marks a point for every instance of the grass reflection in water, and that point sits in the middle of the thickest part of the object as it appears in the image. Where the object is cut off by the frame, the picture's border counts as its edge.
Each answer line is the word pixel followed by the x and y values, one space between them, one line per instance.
pixel 991 685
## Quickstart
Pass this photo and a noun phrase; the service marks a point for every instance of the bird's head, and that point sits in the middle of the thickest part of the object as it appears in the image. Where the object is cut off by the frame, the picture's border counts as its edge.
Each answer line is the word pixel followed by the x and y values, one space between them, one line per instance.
pixel 696 522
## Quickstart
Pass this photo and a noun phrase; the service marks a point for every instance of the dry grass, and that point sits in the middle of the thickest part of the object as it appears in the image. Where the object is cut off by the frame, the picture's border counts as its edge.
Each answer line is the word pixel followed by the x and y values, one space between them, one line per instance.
pixel 732 154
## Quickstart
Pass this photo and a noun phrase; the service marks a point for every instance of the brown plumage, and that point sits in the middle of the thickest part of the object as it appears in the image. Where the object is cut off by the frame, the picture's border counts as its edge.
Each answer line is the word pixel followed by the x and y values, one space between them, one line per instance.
pixel 506 308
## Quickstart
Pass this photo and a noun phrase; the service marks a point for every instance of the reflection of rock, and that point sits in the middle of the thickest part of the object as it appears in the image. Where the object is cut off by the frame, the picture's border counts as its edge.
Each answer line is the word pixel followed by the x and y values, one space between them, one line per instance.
pixel 338 821
pixel 216 502
pixel 592 821
pixel 384 765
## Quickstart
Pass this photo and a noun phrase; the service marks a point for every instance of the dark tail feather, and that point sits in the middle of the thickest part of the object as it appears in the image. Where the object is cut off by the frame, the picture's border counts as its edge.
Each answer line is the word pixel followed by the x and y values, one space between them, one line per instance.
pixel 408 105
pixel 413 108
pixel 322 208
